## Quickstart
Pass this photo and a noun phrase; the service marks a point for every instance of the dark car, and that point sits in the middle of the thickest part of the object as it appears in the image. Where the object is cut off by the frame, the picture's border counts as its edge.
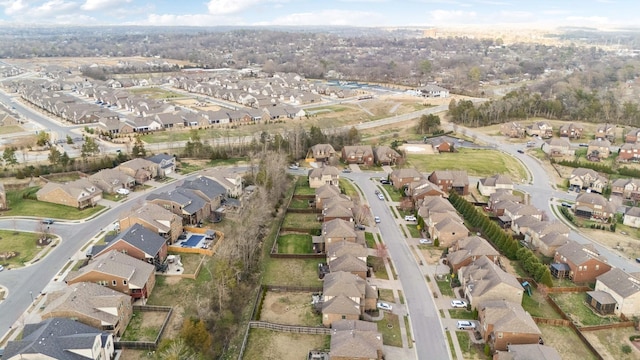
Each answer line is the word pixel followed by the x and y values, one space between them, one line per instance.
pixel 47 221
pixel 360 227
pixel 521 151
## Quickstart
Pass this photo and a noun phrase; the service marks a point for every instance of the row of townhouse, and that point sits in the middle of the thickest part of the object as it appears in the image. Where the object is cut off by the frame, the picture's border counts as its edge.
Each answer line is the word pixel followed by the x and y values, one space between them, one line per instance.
pixel 354 154
pixel 440 182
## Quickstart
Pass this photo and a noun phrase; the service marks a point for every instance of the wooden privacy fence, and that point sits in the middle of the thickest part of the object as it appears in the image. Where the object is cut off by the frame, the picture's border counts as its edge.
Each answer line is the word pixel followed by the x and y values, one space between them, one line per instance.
pixel 290 328
pixel 147 345
pixel 622 324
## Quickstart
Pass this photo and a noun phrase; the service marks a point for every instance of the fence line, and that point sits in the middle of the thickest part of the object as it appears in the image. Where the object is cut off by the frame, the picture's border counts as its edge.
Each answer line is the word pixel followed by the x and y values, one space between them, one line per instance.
pixel 290 328
pixel 292 288
pixel 608 326
pixel 147 345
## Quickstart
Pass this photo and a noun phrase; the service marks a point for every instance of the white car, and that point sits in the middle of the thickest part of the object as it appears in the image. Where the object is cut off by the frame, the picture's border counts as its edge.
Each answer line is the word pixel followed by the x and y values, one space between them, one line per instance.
pixel 380 196
pixel 410 218
pixel 123 191
pixel 294 167
pixel 465 325
pixel 384 306
pixel 425 241
pixel 1 267
pixel 458 304
pixel 377 219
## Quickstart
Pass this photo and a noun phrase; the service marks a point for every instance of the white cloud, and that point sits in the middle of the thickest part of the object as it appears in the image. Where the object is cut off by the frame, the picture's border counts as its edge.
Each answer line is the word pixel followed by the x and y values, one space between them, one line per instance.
pixel 52 8
pixel 13 6
pixel 330 18
pixel 220 7
pixel 447 17
pixel 91 5
pixel 515 16
pixel 587 20
pixel 188 20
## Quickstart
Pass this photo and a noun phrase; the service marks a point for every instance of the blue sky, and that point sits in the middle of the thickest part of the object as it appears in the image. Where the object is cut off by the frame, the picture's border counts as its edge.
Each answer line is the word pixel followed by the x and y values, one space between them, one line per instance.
pixel 534 13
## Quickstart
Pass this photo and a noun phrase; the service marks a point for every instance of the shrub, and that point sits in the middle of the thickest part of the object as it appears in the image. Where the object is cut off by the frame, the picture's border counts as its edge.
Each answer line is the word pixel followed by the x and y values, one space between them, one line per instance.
pixel 436 242
pixel 487 349
pixel 626 349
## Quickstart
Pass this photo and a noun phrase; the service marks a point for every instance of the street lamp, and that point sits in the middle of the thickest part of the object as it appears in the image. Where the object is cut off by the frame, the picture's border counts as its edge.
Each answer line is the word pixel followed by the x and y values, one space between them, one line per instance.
pixel 31 293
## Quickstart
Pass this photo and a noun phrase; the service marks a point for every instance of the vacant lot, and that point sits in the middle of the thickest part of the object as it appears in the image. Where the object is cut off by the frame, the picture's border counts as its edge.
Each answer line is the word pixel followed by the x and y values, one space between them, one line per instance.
pixel 21 246
pixel 566 342
pixel 609 343
pixel 10 129
pixel 292 272
pixel 144 326
pixel 575 306
pixel 295 244
pixel 272 345
pixel 289 308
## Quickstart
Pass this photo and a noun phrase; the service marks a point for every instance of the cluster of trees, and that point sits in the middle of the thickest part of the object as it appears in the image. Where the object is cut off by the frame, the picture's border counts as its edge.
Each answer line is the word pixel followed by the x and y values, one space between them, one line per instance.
pixel 428 124
pixel 603 168
pixel 502 241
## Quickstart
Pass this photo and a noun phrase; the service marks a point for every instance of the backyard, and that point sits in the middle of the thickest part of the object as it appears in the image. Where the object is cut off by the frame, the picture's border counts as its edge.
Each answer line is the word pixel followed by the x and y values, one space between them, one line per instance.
pixel 292 272
pixel 611 343
pixel 537 306
pixel 470 350
pixel 273 345
pixel 289 308
pixel 566 342
pixel 144 326
pixel 20 245
pixel 301 221
pixel 295 244
pixel 575 306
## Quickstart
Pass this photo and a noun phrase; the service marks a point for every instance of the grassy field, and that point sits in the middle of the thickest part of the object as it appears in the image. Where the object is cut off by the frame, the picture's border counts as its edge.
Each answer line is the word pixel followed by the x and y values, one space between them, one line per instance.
pixel 610 342
pixel 471 351
pixel 303 221
pixel 295 244
pixel 386 295
pixel 272 345
pixel 413 231
pixel 22 243
pixel 349 189
pixel 142 328
pixel 461 314
pixel 389 327
pixel 566 342
pixel 537 306
pixel 574 305
pixel 299 204
pixel 393 192
pixel 445 288
pixel 19 206
pixel 10 129
pixel 292 272
pixel 156 93
pixel 368 238
pixel 475 162
pixel 379 270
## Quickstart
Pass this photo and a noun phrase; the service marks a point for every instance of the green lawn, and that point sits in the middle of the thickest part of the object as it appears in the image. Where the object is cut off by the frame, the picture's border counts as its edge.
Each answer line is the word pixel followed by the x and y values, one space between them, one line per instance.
pixel 292 272
pixel 413 231
pixel 475 161
pixel 304 190
pixel 273 345
pixel 574 305
pixel 295 244
pixel 368 238
pixel 348 189
pixel 389 327
pixel 537 306
pixel 379 270
pixel 470 350
pixel 19 206
pixel 303 221
pixel 184 167
pixel 137 331
pixel 461 314
pixel 386 295
pixel 22 243
pixel 156 93
pixel 395 195
pixel 445 288
pixel 299 204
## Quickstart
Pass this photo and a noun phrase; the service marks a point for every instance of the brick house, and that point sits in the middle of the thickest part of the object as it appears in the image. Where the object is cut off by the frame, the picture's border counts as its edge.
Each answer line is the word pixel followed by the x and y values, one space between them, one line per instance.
pixel 140 169
pixel 119 272
pixel 110 180
pixel 137 242
pixel 593 206
pixel 464 251
pixel 632 217
pixel 503 323
pixel 384 155
pixel 584 178
pixel 556 147
pixel 448 231
pixel 490 185
pixel 229 178
pixel 90 304
pixel 598 149
pixel 403 177
pixel 629 152
pixel 333 231
pixel 512 130
pixel 419 190
pixel 155 218
pixel 540 128
pixel 572 131
pixel 166 163
pixel 581 263
pixel 606 131
pixel 186 203
pixel 448 180
pixel 626 188
pixel 483 280
pixel 358 154
pixel 349 257
pixel 632 136
pixel 80 193
pixel 346 296
pixel 327 192
pixel 355 340
pixel 320 153
pixel 324 175
pixel 338 210
pixel 623 288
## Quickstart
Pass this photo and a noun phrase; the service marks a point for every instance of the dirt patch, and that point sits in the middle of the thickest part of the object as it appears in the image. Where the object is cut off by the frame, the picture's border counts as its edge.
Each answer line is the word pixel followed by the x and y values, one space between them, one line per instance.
pixel 624 245
pixel 153 318
pixel 289 308
pixel 175 323
pixel 271 345
pixel 566 342
pixel 34 64
pixel 423 149
pixel 430 254
pixel 609 343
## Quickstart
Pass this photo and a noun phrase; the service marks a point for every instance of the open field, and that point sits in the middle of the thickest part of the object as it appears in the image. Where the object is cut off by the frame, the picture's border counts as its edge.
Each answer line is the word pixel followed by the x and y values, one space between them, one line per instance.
pixel 19 206
pixel 156 93
pixel 292 272
pixel 271 345
pixel 475 162
pixel 74 62
pixel 609 343
pixel 10 129
pixel 289 308
pixel 566 342
pixel 22 243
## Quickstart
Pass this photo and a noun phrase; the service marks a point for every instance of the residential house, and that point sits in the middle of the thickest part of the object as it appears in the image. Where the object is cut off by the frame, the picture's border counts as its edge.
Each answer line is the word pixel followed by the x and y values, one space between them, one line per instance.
pixel 581 263
pixel 521 225
pixel 593 206
pixel 358 154
pixel 549 243
pixel 335 231
pixel 423 188
pixel 346 296
pixel 155 218
pixel 403 177
pixel 320 153
pixel 483 280
pixel 79 193
pixel 621 287
pixel 447 180
pixel 441 144
pixel 347 256
pixel 501 195
pixel 110 180
pixel 325 192
pixel 137 242
pixel 384 155
pixel 556 147
pixel 432 91
pixel 527 352
pixel 512 130
pixel 3 198
pixel 598 149
pixel 588 179
pixel 516 210
pixel 541 128
pixel 632 136
pixel 632 217
pixel 448 231
pixel 355 340
pixel 503 323
pixel 60 339
pixel 209 190
pixel 90 304
pixel 338 210
pixel 229 178
pixel 166 164
pixel 184 202
pixel 539 231
pixel 629 152
pixel 434 204
pixel 489 185
pixel 606 131
pixel 464 251
pixel 140 169
pixel 324 175
pixel 626 188
pixel 571 131
pixel 119 272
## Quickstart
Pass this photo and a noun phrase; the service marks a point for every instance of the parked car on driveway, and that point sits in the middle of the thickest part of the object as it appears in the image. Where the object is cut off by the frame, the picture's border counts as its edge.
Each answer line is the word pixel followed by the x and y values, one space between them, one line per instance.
pixel 410 218
pixel 384 306
pixel 458 304
pixel 360 227
pixel 123 191
pixel 465 325
pixel 425 241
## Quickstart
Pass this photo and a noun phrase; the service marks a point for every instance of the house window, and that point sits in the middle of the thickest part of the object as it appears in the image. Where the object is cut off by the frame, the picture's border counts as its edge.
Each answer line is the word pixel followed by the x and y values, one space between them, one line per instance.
pixel 124 282
pixel 580 268
pixel 585 268
pixel 102 282
pixel 500 335
pixel 344 317
pixel 597 267
pixel 114 283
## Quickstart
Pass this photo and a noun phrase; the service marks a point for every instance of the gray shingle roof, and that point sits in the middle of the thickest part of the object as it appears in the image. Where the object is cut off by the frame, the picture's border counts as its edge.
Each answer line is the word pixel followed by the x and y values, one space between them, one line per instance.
pixel 208 187
pixel 142 238
pixel 620 282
